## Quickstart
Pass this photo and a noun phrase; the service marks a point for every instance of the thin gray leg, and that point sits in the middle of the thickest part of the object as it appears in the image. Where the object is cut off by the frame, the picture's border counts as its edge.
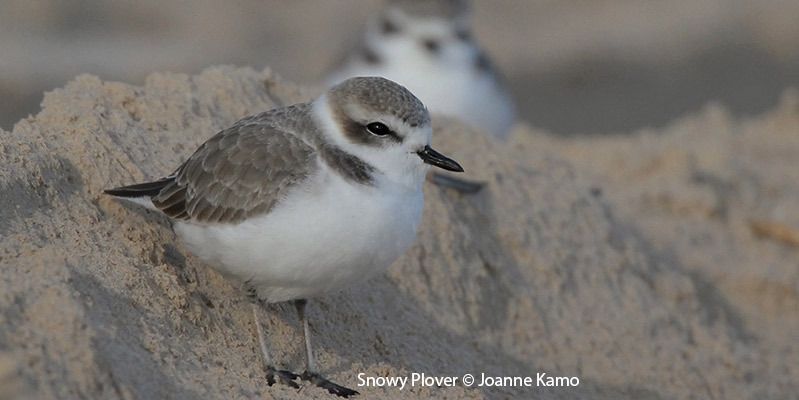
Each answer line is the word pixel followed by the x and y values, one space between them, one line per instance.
pixel 260 332
pixel 286 377
pixel 310 361
pixel 311 374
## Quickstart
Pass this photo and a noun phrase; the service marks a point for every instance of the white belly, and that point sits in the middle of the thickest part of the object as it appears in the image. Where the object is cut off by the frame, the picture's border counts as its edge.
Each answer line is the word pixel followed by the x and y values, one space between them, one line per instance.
pixel 317 240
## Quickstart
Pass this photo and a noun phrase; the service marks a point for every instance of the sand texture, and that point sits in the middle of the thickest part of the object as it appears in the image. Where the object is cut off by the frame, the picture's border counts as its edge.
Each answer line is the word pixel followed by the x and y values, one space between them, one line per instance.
pixel 646 267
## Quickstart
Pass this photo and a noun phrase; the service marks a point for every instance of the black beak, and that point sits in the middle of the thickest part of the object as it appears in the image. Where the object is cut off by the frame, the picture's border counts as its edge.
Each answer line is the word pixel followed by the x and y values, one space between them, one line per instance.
pixel 432 157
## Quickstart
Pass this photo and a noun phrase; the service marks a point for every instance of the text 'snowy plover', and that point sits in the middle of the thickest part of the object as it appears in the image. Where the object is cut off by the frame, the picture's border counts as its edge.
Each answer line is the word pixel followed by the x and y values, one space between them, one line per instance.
pixel 298 201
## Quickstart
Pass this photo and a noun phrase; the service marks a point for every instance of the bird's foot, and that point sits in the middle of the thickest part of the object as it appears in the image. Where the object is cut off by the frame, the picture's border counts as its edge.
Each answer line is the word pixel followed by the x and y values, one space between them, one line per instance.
pixel 331 387
pixel 460 185
pixel 274 375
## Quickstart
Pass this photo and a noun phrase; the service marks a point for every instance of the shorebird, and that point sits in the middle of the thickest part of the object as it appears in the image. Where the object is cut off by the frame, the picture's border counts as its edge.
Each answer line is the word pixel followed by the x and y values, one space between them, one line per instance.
pixel 300 201
pixel 428 46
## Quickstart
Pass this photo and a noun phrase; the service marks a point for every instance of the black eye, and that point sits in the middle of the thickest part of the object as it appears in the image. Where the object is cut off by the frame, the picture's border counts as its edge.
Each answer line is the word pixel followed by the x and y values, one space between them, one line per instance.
pixel 378 128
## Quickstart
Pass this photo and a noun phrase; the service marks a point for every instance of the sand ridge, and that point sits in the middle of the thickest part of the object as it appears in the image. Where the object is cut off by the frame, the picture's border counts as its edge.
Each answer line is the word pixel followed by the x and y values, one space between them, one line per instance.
pixel 552 269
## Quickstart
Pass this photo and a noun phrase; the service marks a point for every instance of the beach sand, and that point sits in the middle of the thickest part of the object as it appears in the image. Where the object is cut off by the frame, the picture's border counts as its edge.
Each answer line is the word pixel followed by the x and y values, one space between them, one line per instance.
pixel 656 265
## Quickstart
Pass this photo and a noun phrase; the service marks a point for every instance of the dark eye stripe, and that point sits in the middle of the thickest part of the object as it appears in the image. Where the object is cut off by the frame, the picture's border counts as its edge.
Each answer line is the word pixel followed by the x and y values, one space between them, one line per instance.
pixel 380 130
pixel 357 132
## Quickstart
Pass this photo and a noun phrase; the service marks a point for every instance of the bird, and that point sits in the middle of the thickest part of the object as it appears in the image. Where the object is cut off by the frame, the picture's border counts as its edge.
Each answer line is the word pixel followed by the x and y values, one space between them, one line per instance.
pixel 297 202
pixel 428 46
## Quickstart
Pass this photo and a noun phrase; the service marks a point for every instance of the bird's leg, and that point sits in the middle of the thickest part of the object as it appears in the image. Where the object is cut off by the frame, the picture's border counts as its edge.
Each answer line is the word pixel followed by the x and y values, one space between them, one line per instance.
pixel 285 377
pixel 460 185
pixel 311 374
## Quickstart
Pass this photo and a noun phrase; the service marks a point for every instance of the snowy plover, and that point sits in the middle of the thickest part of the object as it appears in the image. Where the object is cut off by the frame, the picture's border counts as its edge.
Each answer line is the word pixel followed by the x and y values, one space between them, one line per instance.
pixel 301 200
pixel 427 46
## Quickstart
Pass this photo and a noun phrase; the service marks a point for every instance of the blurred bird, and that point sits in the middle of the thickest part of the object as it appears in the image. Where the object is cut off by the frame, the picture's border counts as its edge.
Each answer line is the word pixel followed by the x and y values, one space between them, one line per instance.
pixel 428 46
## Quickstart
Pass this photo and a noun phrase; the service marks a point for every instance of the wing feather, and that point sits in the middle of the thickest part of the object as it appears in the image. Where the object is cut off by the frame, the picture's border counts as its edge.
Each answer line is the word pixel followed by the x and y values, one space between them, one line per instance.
pixel 242 171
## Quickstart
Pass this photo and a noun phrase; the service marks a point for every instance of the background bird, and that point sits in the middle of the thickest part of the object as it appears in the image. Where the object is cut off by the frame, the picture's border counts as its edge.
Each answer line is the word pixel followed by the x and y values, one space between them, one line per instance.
pixel 428 46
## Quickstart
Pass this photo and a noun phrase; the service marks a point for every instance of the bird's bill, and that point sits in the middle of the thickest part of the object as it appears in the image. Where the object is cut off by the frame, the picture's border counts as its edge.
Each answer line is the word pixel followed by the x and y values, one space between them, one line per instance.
pixel 432 157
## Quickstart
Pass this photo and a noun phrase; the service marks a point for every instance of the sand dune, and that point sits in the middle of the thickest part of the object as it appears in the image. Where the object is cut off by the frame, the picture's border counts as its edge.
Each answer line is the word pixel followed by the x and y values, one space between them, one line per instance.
pixel 650 282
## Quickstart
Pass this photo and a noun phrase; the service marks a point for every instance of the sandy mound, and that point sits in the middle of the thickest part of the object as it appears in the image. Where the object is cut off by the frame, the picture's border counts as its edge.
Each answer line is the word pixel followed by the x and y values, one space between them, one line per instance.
pixel 539 273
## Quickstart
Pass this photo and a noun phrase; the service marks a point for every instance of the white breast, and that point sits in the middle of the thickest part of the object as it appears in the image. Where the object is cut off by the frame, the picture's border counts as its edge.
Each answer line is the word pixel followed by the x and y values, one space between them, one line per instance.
pixel 328 234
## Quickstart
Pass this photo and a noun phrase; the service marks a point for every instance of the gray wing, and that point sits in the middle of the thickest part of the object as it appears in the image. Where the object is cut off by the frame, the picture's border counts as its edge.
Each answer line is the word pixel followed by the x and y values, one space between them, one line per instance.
pixel 242 171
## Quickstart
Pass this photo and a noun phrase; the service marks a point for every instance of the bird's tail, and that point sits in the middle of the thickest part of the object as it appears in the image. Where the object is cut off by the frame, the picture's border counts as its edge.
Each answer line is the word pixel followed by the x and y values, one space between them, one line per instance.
pixel 141 193
pixel 148 189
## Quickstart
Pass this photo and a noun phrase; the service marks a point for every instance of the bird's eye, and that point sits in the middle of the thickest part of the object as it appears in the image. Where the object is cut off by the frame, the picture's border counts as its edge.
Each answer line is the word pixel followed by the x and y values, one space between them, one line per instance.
pixel 378 129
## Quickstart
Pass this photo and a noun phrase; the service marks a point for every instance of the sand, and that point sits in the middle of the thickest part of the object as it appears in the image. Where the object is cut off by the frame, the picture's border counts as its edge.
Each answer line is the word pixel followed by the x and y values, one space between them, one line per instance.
pixel 657 265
